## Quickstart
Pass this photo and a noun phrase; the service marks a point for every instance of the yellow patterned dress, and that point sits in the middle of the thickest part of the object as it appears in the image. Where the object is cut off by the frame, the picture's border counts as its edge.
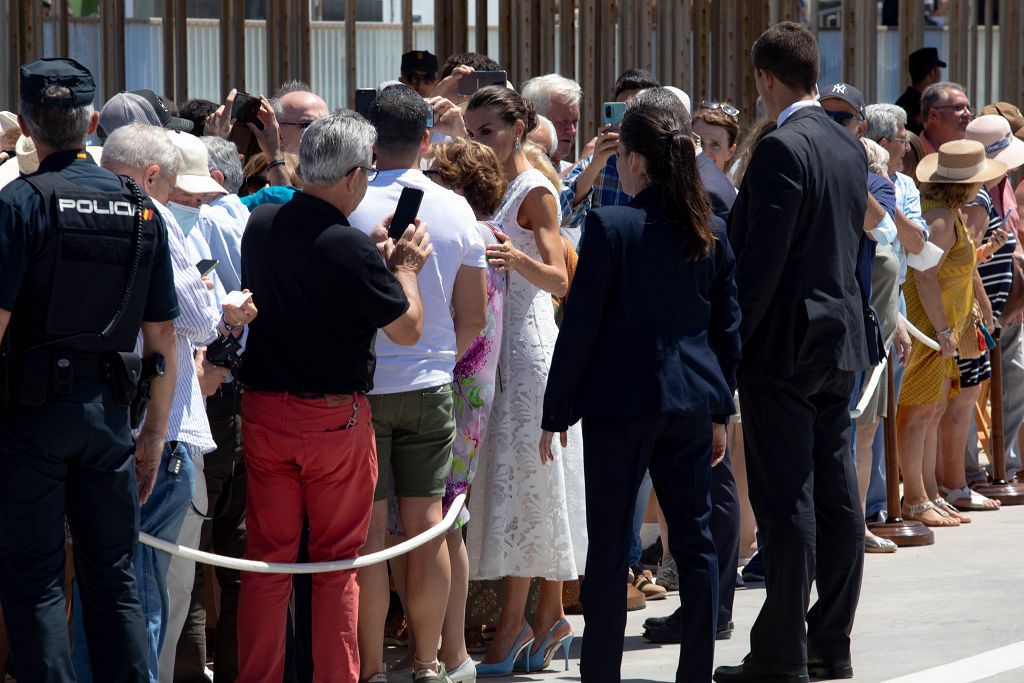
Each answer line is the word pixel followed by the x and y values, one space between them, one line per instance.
pixel 928 373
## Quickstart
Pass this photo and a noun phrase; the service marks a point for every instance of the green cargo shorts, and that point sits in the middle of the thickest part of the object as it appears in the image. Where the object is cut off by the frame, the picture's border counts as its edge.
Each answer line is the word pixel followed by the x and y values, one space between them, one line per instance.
pixel 415 431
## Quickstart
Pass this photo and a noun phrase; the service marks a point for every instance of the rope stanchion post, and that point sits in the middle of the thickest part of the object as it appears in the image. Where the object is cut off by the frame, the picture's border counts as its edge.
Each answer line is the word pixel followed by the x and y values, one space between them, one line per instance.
pixel 1006 492
pixel 895 528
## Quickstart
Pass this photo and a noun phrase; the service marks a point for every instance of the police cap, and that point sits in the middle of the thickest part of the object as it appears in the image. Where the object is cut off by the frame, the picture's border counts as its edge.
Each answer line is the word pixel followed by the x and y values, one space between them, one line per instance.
pixel 419 60
pixel 40 74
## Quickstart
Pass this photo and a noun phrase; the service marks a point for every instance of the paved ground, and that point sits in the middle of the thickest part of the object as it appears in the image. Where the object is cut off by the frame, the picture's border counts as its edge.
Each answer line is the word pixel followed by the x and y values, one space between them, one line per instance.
pixel 920 608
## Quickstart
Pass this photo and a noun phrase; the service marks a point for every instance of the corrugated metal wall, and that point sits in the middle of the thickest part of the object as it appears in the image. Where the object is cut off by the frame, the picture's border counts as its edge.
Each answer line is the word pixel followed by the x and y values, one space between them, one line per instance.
pixel 378 50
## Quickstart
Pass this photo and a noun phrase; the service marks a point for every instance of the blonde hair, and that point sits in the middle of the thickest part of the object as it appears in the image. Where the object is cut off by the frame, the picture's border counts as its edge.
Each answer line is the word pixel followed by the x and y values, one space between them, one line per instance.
pixel 878 158
pixel 951 195
pixel 540 161
pixel 473 170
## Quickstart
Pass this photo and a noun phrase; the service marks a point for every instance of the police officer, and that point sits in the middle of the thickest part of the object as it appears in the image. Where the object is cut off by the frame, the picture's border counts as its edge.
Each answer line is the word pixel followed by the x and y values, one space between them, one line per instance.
pixel 84 265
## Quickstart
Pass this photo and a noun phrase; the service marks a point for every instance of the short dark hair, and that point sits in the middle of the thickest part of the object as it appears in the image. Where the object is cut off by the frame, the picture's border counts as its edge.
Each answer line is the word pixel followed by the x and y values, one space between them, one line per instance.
pixel 790 52
pixel 476 60
pixel 400 116
pixel 196 111
pixel 634 79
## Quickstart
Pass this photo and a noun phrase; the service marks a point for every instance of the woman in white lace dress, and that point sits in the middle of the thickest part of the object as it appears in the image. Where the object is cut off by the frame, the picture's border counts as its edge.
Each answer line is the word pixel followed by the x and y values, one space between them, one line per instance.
pixel 529 518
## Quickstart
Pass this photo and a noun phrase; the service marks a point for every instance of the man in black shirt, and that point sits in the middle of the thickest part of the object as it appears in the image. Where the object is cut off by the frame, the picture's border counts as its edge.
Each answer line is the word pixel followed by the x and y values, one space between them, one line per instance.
pixel 925 68
pixel 309 444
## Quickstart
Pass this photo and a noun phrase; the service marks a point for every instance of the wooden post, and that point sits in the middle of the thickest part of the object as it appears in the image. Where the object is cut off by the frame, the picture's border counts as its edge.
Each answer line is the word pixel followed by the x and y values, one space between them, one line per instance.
pixel 588 79
pixel 481 27
pixel 167 31
pixel 232 45
pixel 567 38
pixel 849 34
pixel 628 48
pixel 989 92
pixel 459 26
pixel 1009 493
pixel 900 532
pixel 303 51
pixel 31 33
pixel 957 49
pixel 351 76
pixel 812 17
pixel 407 26
pixel 682 61
pixel 870 25
pixel 63 42
pixel 664 61
pixel 112 40
pixel 605 25
pixel 505 28
pixel 442 30
pixel 911 32
pixel 646 39
pixel 702 57
pixel 180 51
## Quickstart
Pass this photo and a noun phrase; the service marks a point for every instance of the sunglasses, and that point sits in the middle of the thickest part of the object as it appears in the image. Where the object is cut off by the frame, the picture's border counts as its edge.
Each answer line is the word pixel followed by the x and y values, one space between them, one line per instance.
pixel 842 117
pixel 726 109
pixel 958 109
pixel 302 125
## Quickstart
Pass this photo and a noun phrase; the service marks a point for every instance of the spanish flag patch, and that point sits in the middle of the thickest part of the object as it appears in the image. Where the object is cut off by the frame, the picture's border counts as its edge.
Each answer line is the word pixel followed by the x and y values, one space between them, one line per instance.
pixel 147 214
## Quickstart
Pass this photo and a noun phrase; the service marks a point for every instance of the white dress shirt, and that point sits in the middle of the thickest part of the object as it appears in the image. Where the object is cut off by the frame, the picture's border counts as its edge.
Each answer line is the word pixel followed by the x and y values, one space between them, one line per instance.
pixel 792 109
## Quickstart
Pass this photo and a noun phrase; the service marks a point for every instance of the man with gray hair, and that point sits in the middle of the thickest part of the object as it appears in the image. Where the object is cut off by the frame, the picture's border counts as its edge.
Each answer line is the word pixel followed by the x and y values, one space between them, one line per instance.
pixel 66 447
pixel 309 444
pixel 946 110
pixel 558 98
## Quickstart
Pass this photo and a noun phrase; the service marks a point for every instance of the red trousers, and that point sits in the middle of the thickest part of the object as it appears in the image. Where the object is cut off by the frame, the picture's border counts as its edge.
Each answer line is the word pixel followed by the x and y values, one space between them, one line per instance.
pixel 315 458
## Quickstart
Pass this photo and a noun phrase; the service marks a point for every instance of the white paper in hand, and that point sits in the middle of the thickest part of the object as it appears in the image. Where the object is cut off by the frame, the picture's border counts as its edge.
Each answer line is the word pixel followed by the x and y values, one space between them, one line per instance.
pixel 927 259
pixel 236 298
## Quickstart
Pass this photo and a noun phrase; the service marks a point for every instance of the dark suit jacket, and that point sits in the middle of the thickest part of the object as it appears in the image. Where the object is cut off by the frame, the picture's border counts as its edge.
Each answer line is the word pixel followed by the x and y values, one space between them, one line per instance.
pixel 795 228
pixel 645 331
pixel 720 190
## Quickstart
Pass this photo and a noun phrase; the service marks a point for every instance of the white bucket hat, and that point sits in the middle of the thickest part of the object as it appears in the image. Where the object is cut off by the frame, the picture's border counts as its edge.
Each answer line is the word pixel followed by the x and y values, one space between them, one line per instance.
pixel 194 175
pixel 994 132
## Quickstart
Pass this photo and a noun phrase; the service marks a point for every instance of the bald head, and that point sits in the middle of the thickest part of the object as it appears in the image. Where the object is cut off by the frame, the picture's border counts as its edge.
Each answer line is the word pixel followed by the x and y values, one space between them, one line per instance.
pixel 294 110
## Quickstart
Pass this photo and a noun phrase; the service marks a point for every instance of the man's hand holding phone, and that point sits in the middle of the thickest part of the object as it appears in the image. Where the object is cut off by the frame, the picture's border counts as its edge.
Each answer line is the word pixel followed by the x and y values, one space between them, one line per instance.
pixel 411 251
pixel 607 143
pixel 448 118
pixel 448 87
pixel 219 122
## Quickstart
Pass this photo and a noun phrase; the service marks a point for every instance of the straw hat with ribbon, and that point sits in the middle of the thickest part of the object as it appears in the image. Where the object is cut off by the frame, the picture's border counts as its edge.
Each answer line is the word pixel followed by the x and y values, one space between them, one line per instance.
pixel 960 161
pixel 994 132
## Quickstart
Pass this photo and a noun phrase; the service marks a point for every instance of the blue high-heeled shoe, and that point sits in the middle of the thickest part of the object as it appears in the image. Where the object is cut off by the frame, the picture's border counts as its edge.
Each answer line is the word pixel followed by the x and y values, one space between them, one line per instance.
pixel 506 666
pixel 540 660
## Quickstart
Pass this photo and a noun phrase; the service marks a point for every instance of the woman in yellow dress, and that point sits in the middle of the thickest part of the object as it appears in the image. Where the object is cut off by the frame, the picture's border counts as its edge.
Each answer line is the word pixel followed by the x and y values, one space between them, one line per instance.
pixel 940 303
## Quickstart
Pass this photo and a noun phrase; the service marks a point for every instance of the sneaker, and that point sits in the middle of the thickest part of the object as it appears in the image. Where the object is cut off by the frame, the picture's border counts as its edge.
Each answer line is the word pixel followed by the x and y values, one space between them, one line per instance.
pixel 439 676
pixel 668 574
pixel 463 673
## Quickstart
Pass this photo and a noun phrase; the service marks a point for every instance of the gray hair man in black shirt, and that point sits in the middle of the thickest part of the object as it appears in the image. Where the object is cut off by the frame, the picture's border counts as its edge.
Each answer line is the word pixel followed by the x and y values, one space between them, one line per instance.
pixel 309 444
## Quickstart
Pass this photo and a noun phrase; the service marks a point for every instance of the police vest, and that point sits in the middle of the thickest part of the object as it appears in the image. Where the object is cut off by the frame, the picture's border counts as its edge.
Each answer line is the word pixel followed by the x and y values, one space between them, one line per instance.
pixel 85 292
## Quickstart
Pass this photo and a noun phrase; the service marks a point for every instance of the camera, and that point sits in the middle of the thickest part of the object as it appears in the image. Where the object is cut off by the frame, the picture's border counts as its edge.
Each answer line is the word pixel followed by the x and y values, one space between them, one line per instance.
pixel 224 353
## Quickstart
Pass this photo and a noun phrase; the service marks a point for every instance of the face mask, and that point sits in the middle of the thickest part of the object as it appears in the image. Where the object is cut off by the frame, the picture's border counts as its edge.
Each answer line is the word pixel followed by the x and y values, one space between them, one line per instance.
pixel 185 215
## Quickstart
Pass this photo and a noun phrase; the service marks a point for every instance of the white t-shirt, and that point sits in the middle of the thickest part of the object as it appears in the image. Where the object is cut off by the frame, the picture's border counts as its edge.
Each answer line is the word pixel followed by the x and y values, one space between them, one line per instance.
pixel 452 227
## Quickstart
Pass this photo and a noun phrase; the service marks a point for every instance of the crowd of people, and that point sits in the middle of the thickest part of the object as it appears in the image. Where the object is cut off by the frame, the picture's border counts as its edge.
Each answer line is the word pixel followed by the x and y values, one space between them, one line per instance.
pixel 214 334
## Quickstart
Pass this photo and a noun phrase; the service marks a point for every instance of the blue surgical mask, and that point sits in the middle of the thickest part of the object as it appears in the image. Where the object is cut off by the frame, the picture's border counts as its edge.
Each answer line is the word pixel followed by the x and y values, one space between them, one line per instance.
pixel 186 216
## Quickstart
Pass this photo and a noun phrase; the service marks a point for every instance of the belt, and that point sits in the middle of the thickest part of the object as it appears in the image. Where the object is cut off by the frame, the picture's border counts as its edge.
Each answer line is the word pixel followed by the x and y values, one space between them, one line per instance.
pixel 337 399
pixel 88 366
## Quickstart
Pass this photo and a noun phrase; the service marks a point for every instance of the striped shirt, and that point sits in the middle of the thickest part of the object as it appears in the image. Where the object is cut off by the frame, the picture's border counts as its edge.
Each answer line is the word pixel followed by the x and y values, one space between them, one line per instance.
pixel 196 326
pixel 997 272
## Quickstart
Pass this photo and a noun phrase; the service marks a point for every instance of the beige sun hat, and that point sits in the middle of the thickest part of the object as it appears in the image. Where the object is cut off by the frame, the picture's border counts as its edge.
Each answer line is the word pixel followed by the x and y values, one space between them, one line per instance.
pixel 8 121
pixel 959 161
pixel 994 132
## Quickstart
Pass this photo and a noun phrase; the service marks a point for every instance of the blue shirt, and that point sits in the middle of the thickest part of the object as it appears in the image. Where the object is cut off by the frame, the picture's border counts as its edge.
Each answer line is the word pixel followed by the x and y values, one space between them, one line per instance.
pixel 908 202
pixel 275 194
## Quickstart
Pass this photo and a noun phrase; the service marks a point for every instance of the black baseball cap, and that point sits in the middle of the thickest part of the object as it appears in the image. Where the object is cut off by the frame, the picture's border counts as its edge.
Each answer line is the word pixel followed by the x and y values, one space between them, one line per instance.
pixel 419 60
pixel 166 120
pixel 847 93
pixel 40 74
pixel 922 61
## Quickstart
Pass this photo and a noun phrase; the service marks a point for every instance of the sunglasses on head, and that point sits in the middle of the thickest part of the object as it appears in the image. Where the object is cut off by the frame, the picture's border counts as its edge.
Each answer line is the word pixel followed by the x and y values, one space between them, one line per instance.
pixel 726 109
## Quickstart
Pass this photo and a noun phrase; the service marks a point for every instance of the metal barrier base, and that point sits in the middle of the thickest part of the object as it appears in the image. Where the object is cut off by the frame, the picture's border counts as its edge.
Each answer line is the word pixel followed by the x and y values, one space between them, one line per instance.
pixel 1006 492
pixel 904 533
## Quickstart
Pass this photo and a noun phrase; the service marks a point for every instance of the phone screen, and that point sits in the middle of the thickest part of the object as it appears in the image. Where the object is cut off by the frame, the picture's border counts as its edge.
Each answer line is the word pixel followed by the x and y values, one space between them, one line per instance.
pixel 365 97
pixel 470 83
pixel 405 213
pixel 246 109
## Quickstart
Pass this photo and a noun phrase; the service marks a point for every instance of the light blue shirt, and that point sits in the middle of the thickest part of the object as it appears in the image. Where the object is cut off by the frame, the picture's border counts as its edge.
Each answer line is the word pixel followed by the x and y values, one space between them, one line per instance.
pixel 908 202
pixel 222 224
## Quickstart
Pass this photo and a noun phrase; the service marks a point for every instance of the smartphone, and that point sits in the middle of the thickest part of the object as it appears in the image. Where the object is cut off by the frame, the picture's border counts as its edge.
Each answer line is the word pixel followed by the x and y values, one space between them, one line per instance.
pixel 246 109
pixel 612 113
pixel 430 116
pixel 207 265
pixel 470 83
pixel 405 213
pixel 365 97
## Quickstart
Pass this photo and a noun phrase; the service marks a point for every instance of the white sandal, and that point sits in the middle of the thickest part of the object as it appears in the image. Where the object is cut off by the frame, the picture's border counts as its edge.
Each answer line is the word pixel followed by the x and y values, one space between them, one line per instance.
pixel 976 500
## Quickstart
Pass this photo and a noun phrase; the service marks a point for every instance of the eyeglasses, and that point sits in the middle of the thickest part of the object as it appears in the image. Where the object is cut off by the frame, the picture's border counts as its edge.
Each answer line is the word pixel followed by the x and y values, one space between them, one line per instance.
pixel 958 109
pixel 727 109
pixel 303 125
pixel 843 117
pixel 899 141
pixel 371 173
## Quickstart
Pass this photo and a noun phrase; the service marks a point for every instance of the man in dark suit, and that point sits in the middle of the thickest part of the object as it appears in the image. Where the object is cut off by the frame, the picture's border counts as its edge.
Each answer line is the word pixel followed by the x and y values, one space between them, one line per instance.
pixel 795 229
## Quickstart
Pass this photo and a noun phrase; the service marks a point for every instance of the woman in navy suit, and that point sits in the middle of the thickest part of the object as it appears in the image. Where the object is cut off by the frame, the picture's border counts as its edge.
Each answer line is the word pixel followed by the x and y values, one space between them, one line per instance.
pixel 647 356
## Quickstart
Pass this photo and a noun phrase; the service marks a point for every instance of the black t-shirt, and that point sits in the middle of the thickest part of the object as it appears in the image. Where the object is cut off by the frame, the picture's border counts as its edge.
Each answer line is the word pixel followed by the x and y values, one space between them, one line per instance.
pixel 24 223
pixel 910 100
pixel 323 291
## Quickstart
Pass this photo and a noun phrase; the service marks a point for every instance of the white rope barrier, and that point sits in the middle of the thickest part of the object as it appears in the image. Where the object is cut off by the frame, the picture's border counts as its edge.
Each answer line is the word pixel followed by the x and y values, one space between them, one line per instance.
pixel 869 389
pixel 920 336
pixel 312 567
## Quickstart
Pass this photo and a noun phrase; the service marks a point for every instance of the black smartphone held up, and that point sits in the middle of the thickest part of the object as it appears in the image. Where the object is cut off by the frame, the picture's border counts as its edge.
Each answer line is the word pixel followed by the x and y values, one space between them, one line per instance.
pixel 405 213
pixel 207 266
pixel 612 113
pixel 470 83
pixel 365 97
pixel 246 109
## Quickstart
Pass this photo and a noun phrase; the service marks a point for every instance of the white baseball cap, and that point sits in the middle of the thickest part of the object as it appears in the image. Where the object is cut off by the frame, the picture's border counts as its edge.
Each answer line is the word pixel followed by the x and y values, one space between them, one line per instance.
pixel 194 175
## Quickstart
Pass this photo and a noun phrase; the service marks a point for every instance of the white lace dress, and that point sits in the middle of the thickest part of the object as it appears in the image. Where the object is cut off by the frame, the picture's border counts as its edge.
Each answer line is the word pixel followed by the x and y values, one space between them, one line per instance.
pixel 529 519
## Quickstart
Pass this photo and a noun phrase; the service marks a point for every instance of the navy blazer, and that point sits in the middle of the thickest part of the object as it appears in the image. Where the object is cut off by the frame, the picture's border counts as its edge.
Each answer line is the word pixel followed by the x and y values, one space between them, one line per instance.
pixel 795 227
pixel 645 330
pixel 720 190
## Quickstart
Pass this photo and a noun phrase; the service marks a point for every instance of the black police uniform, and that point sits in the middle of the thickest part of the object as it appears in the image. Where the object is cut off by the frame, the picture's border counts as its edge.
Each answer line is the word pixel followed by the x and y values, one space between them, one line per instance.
pixel 66 447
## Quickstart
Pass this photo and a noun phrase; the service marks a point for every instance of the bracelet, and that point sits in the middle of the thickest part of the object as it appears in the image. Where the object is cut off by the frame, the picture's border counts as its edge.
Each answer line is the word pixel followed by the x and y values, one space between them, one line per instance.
pixel 948 332
pixel 232 328
pixel 275 164
pixel 982 257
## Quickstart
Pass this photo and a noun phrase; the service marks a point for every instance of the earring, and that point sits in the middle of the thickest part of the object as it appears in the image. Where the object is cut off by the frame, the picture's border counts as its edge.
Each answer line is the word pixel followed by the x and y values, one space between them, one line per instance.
pixel 519 147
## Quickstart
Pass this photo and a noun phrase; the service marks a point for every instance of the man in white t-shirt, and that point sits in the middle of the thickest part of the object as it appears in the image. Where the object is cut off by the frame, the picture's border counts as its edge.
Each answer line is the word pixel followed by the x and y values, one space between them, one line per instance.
pixel 412 401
